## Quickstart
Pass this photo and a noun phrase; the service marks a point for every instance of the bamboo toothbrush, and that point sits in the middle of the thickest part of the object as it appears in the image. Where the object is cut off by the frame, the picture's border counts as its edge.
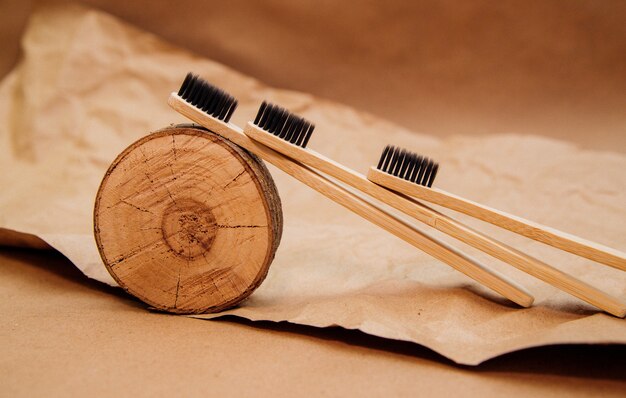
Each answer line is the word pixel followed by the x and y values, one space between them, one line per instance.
pixel 212 108
pixel 280 130
pixel 413 175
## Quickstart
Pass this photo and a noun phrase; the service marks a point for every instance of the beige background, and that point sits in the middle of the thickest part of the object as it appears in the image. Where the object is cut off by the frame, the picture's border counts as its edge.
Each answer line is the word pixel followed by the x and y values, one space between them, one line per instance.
pixel 469 82
pixel 550 67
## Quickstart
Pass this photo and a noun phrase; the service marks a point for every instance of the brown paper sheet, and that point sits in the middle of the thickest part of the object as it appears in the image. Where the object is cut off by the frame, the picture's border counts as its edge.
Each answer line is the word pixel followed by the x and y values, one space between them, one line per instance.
pixel 89 85
pixel 81 338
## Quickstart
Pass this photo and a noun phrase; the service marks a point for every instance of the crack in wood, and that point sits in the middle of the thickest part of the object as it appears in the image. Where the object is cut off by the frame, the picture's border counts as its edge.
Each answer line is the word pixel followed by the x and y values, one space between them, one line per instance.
pixel 124 201
pixel 178 230
pixel 177 289
pixel 137 251
pixel 174 146
pixel 240 226
pixel 234 179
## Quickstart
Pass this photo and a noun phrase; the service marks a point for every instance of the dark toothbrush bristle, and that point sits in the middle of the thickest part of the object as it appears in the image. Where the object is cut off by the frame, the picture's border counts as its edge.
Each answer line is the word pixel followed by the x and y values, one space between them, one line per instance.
pixel 388 158
pixel 429 168
pixel 416 168
pixel 275 120
pixel 260 113
pixel 222 109
pixel 392 161
pixel 300 134
pixel 433 174
pixel 405 164
pixel 419 162
pixel 396 163
pixel 299 127
pixel 290 128
pixel 383 156
pixel 223 112
pixel 220 106
pixel 411 168
pixel 192 85
pixel 207 104
pixel 420 176
pixel 284 124
pixel 299 130
pixel 206 97
pixel 282 129
pixel 216 103
pixel 271 117
pixel 191 96
pixel 264 116
pixel 433 170
pixel 307 137
pixel 231 110
pixel 200 90
pixel 408 165
pixel 226 107
pixel 399 161
pixel 212 102
pixel 185 84
pixel 298 137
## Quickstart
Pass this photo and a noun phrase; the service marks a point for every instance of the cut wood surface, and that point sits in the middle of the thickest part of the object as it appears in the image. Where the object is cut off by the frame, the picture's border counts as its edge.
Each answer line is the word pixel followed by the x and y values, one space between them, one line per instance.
pixel 359 205
pixel 187 221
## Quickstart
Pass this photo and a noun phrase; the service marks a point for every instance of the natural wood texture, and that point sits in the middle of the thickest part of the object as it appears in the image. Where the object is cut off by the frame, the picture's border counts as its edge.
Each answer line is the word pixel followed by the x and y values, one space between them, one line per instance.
pixel 443 223
pixel 532 230
pixel 360 206
pixel 186 221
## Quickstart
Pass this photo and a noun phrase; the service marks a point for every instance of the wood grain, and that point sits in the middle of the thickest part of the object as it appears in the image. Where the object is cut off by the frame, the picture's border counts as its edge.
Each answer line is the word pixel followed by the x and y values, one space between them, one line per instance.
pixel 369 211
pixel 186 221
pixel 550 236
pixel 443 223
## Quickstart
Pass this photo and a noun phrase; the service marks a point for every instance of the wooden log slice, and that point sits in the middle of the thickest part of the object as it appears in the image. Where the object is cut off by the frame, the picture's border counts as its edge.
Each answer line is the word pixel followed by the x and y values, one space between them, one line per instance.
pixel 187 221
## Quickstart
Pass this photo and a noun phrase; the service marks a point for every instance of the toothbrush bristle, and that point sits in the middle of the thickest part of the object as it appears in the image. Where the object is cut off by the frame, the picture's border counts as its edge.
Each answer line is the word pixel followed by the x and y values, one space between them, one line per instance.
pixel 208 98
pixel 284 124
pixel 408 165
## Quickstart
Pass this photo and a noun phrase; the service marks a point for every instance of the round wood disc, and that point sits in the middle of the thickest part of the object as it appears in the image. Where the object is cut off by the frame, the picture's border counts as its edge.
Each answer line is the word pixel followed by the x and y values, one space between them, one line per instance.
pixel 187 221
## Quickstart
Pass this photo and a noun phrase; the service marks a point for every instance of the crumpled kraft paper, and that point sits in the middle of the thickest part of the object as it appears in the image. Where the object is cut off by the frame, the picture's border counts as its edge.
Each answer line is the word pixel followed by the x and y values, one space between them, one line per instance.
pixel 89 85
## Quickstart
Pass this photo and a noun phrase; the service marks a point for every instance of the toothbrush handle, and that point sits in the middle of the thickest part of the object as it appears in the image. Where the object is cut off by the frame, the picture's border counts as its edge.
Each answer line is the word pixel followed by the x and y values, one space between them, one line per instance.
pixel 407 232
pixel 441 222
pixel 530 229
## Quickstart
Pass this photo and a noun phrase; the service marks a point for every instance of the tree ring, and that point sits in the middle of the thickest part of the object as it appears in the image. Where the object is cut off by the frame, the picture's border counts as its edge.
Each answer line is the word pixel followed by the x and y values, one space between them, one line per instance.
pixel 187 221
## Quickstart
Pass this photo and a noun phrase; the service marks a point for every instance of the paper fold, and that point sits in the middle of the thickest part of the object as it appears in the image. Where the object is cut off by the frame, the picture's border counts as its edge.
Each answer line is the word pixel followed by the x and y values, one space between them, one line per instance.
pixel 89 86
